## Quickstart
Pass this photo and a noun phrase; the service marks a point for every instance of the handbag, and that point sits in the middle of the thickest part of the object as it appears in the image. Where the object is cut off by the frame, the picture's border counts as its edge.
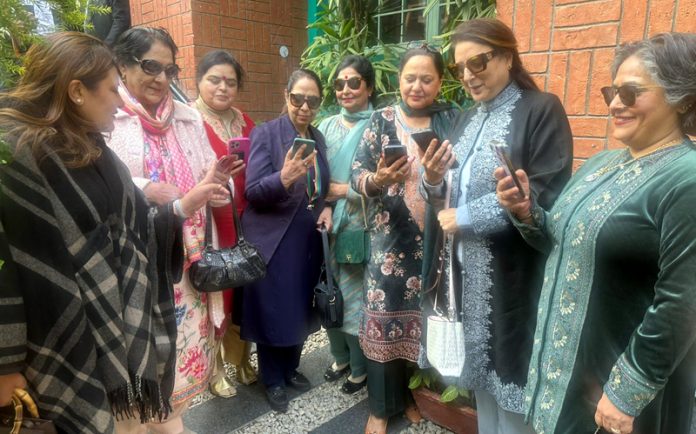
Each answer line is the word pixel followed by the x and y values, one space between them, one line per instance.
pixel 13 420
pixel 445 348
pixel 328 300
pixel 229 267
pixel 353 246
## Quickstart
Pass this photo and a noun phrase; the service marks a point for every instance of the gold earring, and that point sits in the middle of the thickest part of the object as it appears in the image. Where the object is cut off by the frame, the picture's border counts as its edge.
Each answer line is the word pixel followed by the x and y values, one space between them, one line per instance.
pixel 78 101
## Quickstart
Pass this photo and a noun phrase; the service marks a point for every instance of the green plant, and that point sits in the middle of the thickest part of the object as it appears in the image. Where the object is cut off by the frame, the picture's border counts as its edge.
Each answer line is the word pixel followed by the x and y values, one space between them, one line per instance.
pixel 449 393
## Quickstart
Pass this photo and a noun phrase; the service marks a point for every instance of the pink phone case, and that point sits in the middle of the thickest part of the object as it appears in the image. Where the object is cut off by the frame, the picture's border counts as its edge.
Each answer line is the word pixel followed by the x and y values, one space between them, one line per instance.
pixel 239 145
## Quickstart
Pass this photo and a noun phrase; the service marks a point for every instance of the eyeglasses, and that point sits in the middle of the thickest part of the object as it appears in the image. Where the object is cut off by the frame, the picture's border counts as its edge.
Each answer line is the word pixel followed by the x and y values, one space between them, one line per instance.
pixel 353 83
pixel 298 100
pixel 153 67
pixel 475 64
pixel 215 80
pixel 627 93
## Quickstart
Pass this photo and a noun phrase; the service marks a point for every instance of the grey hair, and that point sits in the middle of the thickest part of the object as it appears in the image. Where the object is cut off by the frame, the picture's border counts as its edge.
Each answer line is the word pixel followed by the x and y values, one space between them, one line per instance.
pixel 670 61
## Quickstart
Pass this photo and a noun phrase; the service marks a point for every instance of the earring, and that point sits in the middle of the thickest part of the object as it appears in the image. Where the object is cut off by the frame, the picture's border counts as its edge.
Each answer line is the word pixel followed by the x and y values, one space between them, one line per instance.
pixel 78 101
pixel 509 67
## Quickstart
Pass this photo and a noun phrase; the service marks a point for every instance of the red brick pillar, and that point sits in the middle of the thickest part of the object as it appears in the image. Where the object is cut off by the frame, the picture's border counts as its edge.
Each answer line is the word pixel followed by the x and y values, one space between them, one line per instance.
pixel 568 46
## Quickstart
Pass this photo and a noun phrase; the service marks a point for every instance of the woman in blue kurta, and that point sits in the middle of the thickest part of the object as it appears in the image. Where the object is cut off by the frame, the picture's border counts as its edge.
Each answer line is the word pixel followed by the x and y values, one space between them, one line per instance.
pixel 285 194
pixel 614 344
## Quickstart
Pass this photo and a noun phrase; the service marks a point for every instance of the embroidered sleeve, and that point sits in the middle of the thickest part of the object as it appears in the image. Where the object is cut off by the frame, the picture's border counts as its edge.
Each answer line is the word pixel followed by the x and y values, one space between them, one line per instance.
pixel 13 330
pixel 628 390
pixel 486 215
pixel 534 234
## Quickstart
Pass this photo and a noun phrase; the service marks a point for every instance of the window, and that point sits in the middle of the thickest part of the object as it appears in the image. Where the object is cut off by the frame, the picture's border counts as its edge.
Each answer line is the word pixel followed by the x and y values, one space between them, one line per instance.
pixel 403 21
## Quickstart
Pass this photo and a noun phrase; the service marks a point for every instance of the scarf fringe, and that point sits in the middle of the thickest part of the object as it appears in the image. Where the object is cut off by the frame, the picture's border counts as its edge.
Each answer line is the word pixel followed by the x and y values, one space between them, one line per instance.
pixel 139 397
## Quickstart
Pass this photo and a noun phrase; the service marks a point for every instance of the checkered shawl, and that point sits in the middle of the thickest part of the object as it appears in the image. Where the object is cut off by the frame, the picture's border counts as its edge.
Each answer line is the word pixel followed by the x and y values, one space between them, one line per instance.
pixel 96 307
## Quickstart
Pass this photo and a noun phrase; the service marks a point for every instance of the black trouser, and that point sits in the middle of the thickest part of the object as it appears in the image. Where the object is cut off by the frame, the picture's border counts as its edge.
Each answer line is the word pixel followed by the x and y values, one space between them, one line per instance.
pixel 387 387
pixel 277 363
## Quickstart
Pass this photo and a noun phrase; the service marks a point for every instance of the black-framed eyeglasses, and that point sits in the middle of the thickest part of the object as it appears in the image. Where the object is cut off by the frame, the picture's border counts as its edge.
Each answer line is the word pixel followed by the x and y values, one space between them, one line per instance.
pixel 475 64
pixel 353 83
pixel 627 93
pixel 298 100
pixel 153 67
pixel 215 80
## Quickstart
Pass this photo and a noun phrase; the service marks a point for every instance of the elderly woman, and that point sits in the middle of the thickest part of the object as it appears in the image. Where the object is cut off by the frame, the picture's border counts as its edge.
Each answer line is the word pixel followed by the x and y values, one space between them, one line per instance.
pixel 164 145
pixel 86 315
pixel 496 274
pixel 354 85
pixel 286 192
pixel 614 344
pixel 391 327
pixel 220 76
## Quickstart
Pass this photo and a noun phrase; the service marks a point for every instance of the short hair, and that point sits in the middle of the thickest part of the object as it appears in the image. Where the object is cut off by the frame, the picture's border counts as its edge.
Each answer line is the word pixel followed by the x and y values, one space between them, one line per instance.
pixel 301 73
pixel 497 35
pixel 39 110
pixel 220 57
pixel 670 61
pixel 425 50
pixel 136 41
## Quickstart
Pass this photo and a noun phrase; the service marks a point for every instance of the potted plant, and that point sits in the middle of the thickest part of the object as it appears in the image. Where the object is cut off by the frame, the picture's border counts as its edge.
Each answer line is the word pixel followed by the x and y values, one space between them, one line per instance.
pixel 445 405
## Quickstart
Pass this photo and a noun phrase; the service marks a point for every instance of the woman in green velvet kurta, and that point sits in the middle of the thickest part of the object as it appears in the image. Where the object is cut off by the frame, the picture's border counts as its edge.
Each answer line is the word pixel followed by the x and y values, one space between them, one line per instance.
pixel 614 344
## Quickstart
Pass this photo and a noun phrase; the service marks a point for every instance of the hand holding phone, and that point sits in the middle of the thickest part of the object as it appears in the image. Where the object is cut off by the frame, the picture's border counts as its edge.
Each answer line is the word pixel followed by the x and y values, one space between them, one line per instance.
pixel 423 139
pixel 392 152
pixel 502 152
pixel 308 143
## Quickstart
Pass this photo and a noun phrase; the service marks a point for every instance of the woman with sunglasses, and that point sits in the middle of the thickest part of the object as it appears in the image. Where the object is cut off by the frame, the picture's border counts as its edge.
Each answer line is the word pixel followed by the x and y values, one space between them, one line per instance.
pixel 354 84
pixel 391 326
pixel 496 275
pixel 286 189
pixel 164 144
pixel 220 76
pixel 614 346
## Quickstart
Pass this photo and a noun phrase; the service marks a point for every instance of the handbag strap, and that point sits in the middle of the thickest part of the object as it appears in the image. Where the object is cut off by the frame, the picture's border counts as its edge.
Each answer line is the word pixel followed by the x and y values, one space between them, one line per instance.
pixel 451 302
pixel 237 223
pixel 209 221
pixel 327 260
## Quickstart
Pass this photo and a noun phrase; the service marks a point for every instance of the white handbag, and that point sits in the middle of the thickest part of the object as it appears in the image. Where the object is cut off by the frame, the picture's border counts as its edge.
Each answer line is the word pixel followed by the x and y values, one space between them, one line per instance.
pixel 445 335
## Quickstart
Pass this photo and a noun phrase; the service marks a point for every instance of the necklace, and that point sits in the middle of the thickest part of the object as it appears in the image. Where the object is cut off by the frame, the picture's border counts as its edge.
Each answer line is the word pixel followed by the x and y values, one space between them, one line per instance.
pixel 611 166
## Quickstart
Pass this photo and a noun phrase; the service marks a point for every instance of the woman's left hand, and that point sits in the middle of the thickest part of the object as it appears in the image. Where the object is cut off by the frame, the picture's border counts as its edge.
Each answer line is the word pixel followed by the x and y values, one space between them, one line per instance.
pixel 611 419
pixel 448 220
pixel 237 167
pixel 436 161
pixel 326 218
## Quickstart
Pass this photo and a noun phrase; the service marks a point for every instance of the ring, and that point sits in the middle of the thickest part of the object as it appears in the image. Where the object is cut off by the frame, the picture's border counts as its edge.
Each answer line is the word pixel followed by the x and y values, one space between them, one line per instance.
pixel 615 430
pixel 306 164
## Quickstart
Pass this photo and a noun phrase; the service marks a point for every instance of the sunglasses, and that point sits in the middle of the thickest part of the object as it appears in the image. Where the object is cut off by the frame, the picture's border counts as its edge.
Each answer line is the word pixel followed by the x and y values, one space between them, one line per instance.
pixel 475 64
pixel 215 80
pixel 153 67
pixel 353 83
pixel 298 100
pixel 627 93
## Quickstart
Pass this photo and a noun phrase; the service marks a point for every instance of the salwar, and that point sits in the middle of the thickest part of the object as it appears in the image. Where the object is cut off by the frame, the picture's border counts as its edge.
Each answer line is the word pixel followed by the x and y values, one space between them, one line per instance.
pixel 494 420
pixel 345 348
pixel 276 364
pixel 387 387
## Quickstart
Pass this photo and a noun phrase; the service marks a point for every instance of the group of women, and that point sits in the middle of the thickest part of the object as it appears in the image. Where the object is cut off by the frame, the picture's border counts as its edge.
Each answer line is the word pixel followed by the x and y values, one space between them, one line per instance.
pixel 574 293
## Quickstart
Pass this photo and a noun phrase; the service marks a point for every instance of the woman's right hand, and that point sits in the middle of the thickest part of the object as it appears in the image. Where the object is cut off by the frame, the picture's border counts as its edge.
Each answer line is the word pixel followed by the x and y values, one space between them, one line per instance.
pixel 295 167
pixel 509 195
pixel 398 172
pixel 161 193
pixel 8 384
pixel 436 161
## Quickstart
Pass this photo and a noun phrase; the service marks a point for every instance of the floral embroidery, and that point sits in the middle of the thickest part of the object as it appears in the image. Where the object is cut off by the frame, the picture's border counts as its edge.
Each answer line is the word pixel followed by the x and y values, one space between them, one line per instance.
pixel 601 201
pixel 193 363
pixel 572 271
pixel 578 235
pixel 628 389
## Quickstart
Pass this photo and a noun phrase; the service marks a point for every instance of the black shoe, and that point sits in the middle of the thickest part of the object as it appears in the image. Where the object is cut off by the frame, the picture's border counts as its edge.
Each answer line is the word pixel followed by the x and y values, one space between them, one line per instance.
pixel 278 398
pixel 299 382
pixel 350 388
pixel 332 375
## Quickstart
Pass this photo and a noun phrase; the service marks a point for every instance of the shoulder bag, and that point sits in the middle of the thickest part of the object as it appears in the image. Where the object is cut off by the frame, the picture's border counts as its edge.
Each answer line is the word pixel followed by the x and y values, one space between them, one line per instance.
pixel 328 299
pixel 353 246
pixel 13 420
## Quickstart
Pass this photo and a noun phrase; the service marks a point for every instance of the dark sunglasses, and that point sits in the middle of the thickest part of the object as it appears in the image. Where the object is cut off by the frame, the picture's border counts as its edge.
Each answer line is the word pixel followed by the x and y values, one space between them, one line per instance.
pixel 215 80
pixel 153 67
pixel 353 83
pixel 475 64
pixel 298 100
pixel 627 93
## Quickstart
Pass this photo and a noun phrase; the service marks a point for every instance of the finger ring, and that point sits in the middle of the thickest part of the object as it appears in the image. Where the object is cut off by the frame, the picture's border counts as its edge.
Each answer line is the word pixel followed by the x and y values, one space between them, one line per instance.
pixel 615 430
pixel 306 164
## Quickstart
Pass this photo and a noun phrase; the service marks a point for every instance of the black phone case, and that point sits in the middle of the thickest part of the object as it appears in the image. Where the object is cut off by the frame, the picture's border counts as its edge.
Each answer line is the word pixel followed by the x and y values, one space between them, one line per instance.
pixel 393 153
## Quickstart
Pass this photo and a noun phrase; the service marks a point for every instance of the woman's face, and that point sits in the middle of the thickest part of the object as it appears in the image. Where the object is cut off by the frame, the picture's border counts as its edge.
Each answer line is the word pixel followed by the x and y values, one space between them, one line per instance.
pixel 650 119
pixel 303 115
pixel 353 100
pixel 419 82
pixel 100 104
pixel 149 90
pixel 487 84
pixel 218 87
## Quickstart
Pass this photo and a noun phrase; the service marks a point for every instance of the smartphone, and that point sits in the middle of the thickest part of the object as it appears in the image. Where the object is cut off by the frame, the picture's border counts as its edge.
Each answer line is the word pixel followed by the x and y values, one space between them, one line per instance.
pixel 297 144
pixel 502 151
pixel 239 146
pixel 393 153
pixel 423 139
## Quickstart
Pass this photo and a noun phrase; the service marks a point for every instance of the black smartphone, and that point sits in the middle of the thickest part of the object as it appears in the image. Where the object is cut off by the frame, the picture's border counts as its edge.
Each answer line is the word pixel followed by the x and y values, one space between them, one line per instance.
pixel 502 152
pixel 393 153
pixel 423 139
pixel 297 144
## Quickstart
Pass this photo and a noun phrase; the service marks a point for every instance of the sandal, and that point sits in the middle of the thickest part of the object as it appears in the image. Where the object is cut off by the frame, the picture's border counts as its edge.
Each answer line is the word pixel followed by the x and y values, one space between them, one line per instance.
pixel 413 414
pixel 376 425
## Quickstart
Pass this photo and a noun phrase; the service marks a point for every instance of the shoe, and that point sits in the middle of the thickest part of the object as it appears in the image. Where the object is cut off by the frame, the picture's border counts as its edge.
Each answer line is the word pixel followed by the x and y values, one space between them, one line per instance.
pixel 332 374
pixel 223 388
pixel 376 425
pixel 299 382
pixel 277 398
pixel 245 373
pixel 350 387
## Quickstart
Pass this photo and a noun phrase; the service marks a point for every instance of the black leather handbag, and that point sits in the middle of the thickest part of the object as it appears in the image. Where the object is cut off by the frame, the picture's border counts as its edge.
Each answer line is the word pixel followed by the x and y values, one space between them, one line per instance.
pixel 229 267
pixel 328 299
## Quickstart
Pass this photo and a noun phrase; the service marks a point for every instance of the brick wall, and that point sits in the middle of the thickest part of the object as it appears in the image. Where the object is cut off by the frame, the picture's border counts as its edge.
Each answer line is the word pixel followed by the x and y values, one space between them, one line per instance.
pixel 568 46
pixel 253 30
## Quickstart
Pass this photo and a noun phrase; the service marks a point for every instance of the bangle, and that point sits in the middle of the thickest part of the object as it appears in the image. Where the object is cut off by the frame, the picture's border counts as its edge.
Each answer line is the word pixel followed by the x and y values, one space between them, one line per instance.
pixel 371 179
pixel 178 209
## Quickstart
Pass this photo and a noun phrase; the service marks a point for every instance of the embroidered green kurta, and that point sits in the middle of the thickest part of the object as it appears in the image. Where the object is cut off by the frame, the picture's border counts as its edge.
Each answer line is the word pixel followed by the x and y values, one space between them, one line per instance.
pixel 617 311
